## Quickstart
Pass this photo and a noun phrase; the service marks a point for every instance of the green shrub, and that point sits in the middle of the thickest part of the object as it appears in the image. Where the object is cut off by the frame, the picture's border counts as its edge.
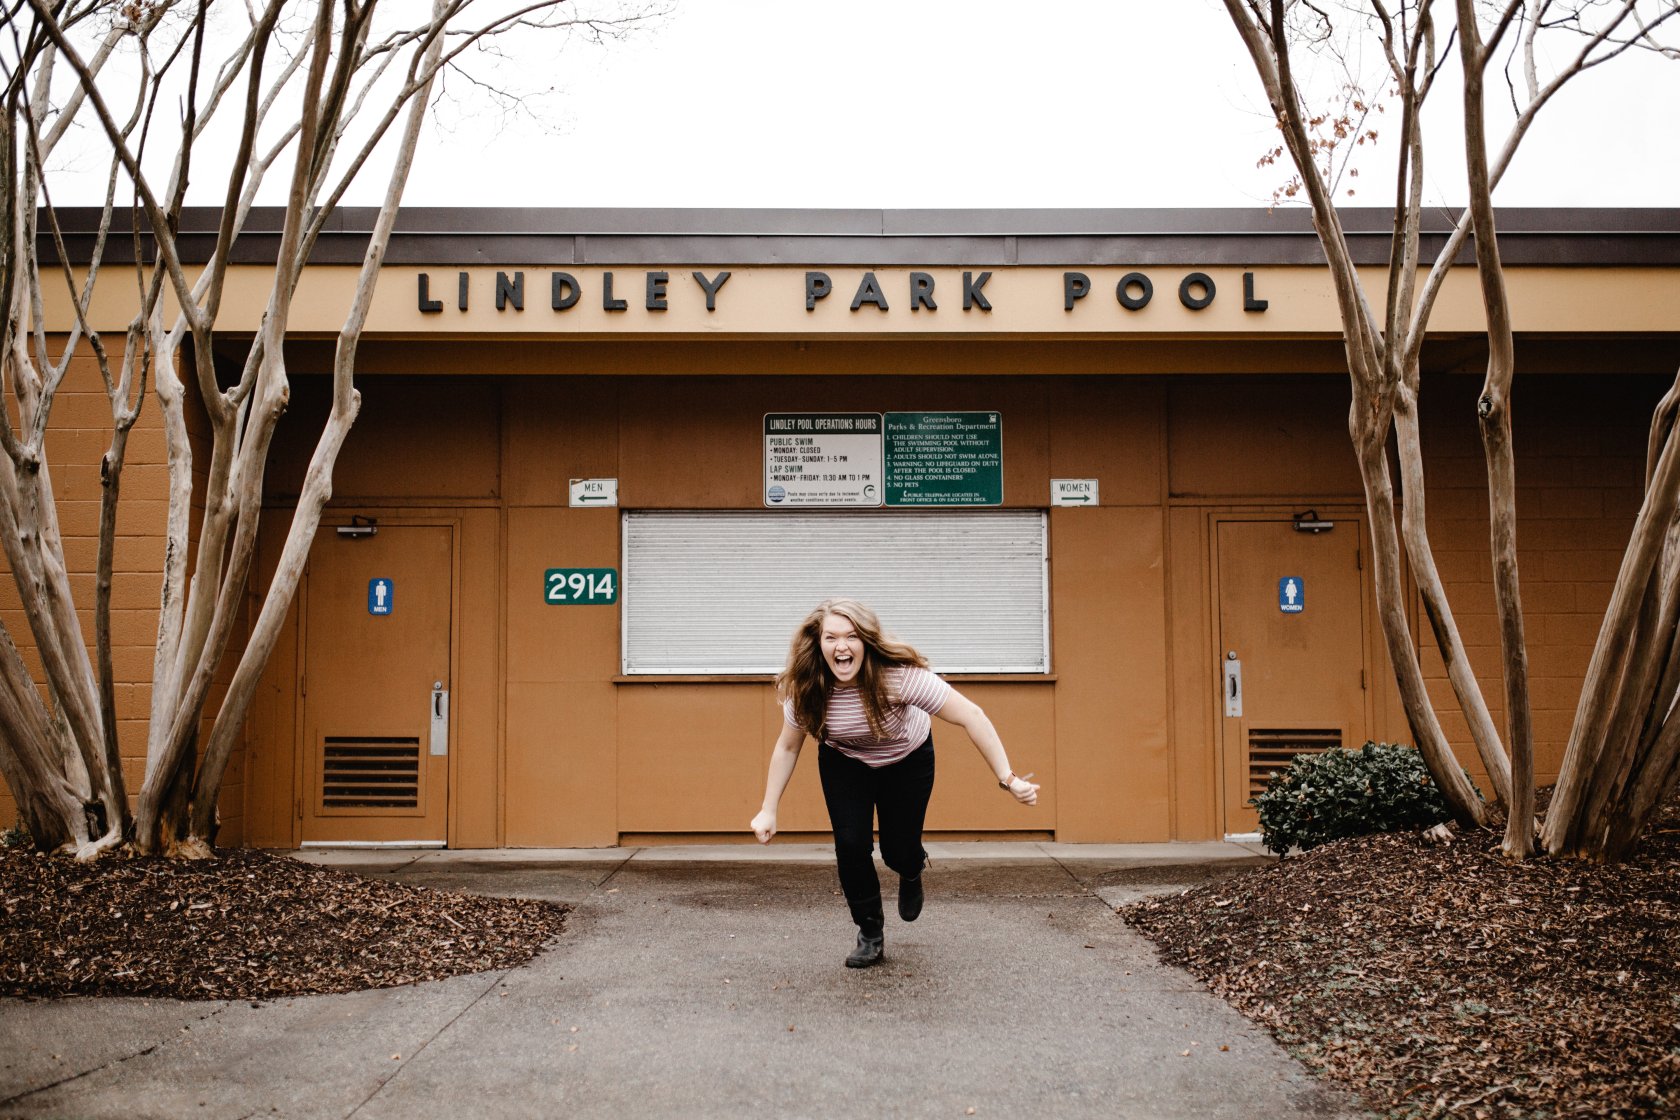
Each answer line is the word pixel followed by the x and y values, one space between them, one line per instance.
pixel 1381 787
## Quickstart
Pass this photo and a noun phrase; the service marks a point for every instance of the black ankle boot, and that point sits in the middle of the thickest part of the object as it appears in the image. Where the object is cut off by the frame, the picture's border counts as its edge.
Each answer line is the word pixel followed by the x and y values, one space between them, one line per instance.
pixel 910 897
pixel 868 951
pixel 867 914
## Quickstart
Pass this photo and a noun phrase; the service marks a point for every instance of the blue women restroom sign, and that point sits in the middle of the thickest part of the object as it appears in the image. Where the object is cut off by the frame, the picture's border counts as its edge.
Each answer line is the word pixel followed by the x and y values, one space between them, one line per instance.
pixel 382 594
pixel 1292 594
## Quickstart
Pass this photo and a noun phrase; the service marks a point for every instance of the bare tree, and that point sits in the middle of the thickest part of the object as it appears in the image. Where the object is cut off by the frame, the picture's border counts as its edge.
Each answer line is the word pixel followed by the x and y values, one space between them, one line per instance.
pixel 314 87
pixel 1384 347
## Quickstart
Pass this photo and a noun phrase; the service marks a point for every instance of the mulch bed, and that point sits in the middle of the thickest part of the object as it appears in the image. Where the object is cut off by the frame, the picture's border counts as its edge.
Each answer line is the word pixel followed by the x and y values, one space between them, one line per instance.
pixel 245 925
pixel 1441 981
pixel 1433 981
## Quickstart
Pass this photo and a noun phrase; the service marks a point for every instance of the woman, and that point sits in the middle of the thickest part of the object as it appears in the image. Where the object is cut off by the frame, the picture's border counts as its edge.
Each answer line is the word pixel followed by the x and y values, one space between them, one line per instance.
pixel 866 698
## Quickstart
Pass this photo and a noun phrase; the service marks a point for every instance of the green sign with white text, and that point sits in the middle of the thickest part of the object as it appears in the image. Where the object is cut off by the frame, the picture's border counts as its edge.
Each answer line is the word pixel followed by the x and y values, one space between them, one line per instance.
pixel 580 585
pixel 943 458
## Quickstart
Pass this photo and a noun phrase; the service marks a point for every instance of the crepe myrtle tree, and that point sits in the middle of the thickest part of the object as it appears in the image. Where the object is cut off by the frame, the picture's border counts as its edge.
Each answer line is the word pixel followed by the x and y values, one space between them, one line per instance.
pixel 309 90
pixel 1625 743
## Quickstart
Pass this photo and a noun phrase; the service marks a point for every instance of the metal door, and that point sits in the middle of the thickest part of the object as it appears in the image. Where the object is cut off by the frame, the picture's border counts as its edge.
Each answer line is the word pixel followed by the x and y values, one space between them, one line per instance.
pixel 1292 650
pixel 376 685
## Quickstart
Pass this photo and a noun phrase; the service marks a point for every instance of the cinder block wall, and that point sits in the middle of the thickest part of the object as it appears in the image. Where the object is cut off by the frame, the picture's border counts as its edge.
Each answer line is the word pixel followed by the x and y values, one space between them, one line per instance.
pixel 1580 480
pixel 1580 441
pixel 78 436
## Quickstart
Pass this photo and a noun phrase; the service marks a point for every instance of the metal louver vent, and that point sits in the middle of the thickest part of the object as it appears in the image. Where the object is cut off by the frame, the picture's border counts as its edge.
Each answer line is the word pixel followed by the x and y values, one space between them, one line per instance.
pixel 1271 749
pixel 370 772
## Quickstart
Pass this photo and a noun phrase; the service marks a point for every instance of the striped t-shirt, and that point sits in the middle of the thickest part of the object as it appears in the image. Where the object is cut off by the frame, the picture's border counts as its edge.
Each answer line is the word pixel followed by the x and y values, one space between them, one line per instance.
pixel 914 695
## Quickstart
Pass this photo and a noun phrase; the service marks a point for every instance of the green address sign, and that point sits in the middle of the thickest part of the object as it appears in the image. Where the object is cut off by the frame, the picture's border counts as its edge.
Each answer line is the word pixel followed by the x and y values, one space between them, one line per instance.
pixel 580 585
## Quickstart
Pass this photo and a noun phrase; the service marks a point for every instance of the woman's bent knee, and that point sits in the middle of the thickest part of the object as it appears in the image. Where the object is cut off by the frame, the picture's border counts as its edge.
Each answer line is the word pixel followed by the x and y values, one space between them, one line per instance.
pixel 852 844
pixel 903 859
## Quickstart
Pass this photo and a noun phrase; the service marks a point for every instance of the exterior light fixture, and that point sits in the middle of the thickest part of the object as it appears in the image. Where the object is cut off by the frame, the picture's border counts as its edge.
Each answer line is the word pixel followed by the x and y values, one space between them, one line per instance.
pixel 1307 522
pixel 366 527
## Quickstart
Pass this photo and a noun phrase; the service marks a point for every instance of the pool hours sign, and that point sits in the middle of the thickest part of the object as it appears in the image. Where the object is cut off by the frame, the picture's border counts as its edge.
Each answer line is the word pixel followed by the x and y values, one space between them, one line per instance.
pixel 822 459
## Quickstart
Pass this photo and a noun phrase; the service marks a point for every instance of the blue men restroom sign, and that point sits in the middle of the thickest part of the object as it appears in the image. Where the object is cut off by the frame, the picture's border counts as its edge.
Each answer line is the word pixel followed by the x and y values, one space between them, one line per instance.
pixel 382 594
pixel 1292 594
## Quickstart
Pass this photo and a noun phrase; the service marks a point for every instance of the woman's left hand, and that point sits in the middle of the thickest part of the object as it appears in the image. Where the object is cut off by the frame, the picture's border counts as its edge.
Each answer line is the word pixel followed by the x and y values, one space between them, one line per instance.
pixel 1025 792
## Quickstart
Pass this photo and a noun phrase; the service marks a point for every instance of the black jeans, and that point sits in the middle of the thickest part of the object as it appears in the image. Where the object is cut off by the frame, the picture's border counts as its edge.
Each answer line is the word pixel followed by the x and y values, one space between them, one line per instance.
pixel 855 793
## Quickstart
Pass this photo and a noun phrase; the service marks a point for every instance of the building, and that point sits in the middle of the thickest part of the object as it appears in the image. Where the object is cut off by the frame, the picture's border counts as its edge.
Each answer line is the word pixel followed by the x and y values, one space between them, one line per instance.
pixel 1094 463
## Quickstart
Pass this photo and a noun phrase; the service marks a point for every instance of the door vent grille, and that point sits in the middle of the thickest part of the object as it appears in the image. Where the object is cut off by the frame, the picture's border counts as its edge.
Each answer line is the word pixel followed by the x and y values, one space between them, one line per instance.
pixel 370 772
pixel 1271 749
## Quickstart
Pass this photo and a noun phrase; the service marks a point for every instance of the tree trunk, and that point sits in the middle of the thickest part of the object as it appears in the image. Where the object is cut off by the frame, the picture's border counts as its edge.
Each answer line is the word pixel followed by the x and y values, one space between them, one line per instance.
pixel 1577 821
pixel 1494 409
pixel 110 473
pixel 1502 501
pixel 43 587
pixel 1436 608
pixel 50 808
pixel 59 761
pixel 1462 802
pixel 317 487
pixel 317 490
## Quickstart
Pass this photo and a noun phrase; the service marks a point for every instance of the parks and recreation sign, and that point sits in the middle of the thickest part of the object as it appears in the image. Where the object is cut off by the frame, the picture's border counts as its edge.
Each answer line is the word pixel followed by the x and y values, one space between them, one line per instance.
pixel 870 459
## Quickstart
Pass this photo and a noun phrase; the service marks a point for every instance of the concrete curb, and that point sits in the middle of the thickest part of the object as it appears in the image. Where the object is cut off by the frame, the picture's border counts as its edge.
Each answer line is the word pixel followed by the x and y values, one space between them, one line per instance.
pixel 1135 855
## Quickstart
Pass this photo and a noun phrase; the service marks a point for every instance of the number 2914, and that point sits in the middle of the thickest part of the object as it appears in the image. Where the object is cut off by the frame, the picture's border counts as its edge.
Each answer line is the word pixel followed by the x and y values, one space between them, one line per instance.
pixel 580 585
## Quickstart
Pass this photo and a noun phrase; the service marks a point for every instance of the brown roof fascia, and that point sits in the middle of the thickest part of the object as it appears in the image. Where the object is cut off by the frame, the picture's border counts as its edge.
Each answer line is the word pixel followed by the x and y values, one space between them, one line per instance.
pixel 493 236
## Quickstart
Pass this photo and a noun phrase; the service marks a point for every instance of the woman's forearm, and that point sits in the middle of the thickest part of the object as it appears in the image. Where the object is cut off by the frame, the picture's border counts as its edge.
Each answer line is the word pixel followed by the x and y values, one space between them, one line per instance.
pixel 782 761
pixel 989 744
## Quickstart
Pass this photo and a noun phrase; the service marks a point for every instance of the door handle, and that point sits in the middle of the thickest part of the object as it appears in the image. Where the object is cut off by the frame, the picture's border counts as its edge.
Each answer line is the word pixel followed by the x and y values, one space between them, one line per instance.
pixel 440 719
pixel 1233 686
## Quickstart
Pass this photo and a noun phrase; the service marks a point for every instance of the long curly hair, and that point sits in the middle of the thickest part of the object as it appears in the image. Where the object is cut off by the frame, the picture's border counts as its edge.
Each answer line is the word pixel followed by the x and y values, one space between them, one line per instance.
pixel 808 682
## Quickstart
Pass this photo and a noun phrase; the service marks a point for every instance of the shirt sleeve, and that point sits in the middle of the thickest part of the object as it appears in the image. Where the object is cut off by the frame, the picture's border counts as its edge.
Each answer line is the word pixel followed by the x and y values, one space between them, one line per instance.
pixel 790 719
pixel 921 688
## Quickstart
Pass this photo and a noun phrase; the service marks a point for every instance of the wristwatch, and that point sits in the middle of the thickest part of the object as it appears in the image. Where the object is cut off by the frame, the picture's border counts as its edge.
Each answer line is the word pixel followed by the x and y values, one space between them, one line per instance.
pixel 1007 780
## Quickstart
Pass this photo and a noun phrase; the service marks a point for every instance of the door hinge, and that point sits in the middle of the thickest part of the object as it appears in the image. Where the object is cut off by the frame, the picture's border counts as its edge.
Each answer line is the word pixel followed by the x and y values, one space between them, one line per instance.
pixel 1358 559
pixel 1362 680
pixel 298 805
pixel 303 684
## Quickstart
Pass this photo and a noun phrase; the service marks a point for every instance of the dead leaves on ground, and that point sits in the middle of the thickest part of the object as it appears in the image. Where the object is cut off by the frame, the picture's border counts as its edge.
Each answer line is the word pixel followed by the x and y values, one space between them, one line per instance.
pixel 1442 981
pixel 246 925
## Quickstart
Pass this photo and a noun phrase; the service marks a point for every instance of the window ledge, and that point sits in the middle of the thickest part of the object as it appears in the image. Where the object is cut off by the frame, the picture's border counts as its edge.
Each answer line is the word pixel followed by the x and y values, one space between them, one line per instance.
pixel 696 678
pixel 758 678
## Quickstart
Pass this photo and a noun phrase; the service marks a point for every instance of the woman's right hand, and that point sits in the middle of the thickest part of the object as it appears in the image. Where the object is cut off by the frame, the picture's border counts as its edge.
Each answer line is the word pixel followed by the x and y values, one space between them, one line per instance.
pixel 764 825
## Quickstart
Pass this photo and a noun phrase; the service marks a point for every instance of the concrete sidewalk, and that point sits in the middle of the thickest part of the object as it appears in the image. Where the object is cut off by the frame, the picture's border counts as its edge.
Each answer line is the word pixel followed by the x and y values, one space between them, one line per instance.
pixel 1119 873
pixel 708 982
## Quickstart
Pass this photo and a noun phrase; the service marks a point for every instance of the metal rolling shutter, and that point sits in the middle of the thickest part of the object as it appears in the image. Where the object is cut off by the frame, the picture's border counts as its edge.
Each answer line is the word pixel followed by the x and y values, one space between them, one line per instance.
pixel 722 593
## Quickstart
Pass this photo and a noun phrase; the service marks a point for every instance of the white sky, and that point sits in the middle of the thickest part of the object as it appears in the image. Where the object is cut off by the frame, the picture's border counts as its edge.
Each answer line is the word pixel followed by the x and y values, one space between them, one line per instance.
pixel 959 103
pixel 981 103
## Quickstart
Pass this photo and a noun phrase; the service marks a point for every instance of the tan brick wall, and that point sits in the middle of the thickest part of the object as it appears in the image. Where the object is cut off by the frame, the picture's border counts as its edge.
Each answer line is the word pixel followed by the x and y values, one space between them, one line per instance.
pixel 1580 442
pixel 77 438
pixel 1580 478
